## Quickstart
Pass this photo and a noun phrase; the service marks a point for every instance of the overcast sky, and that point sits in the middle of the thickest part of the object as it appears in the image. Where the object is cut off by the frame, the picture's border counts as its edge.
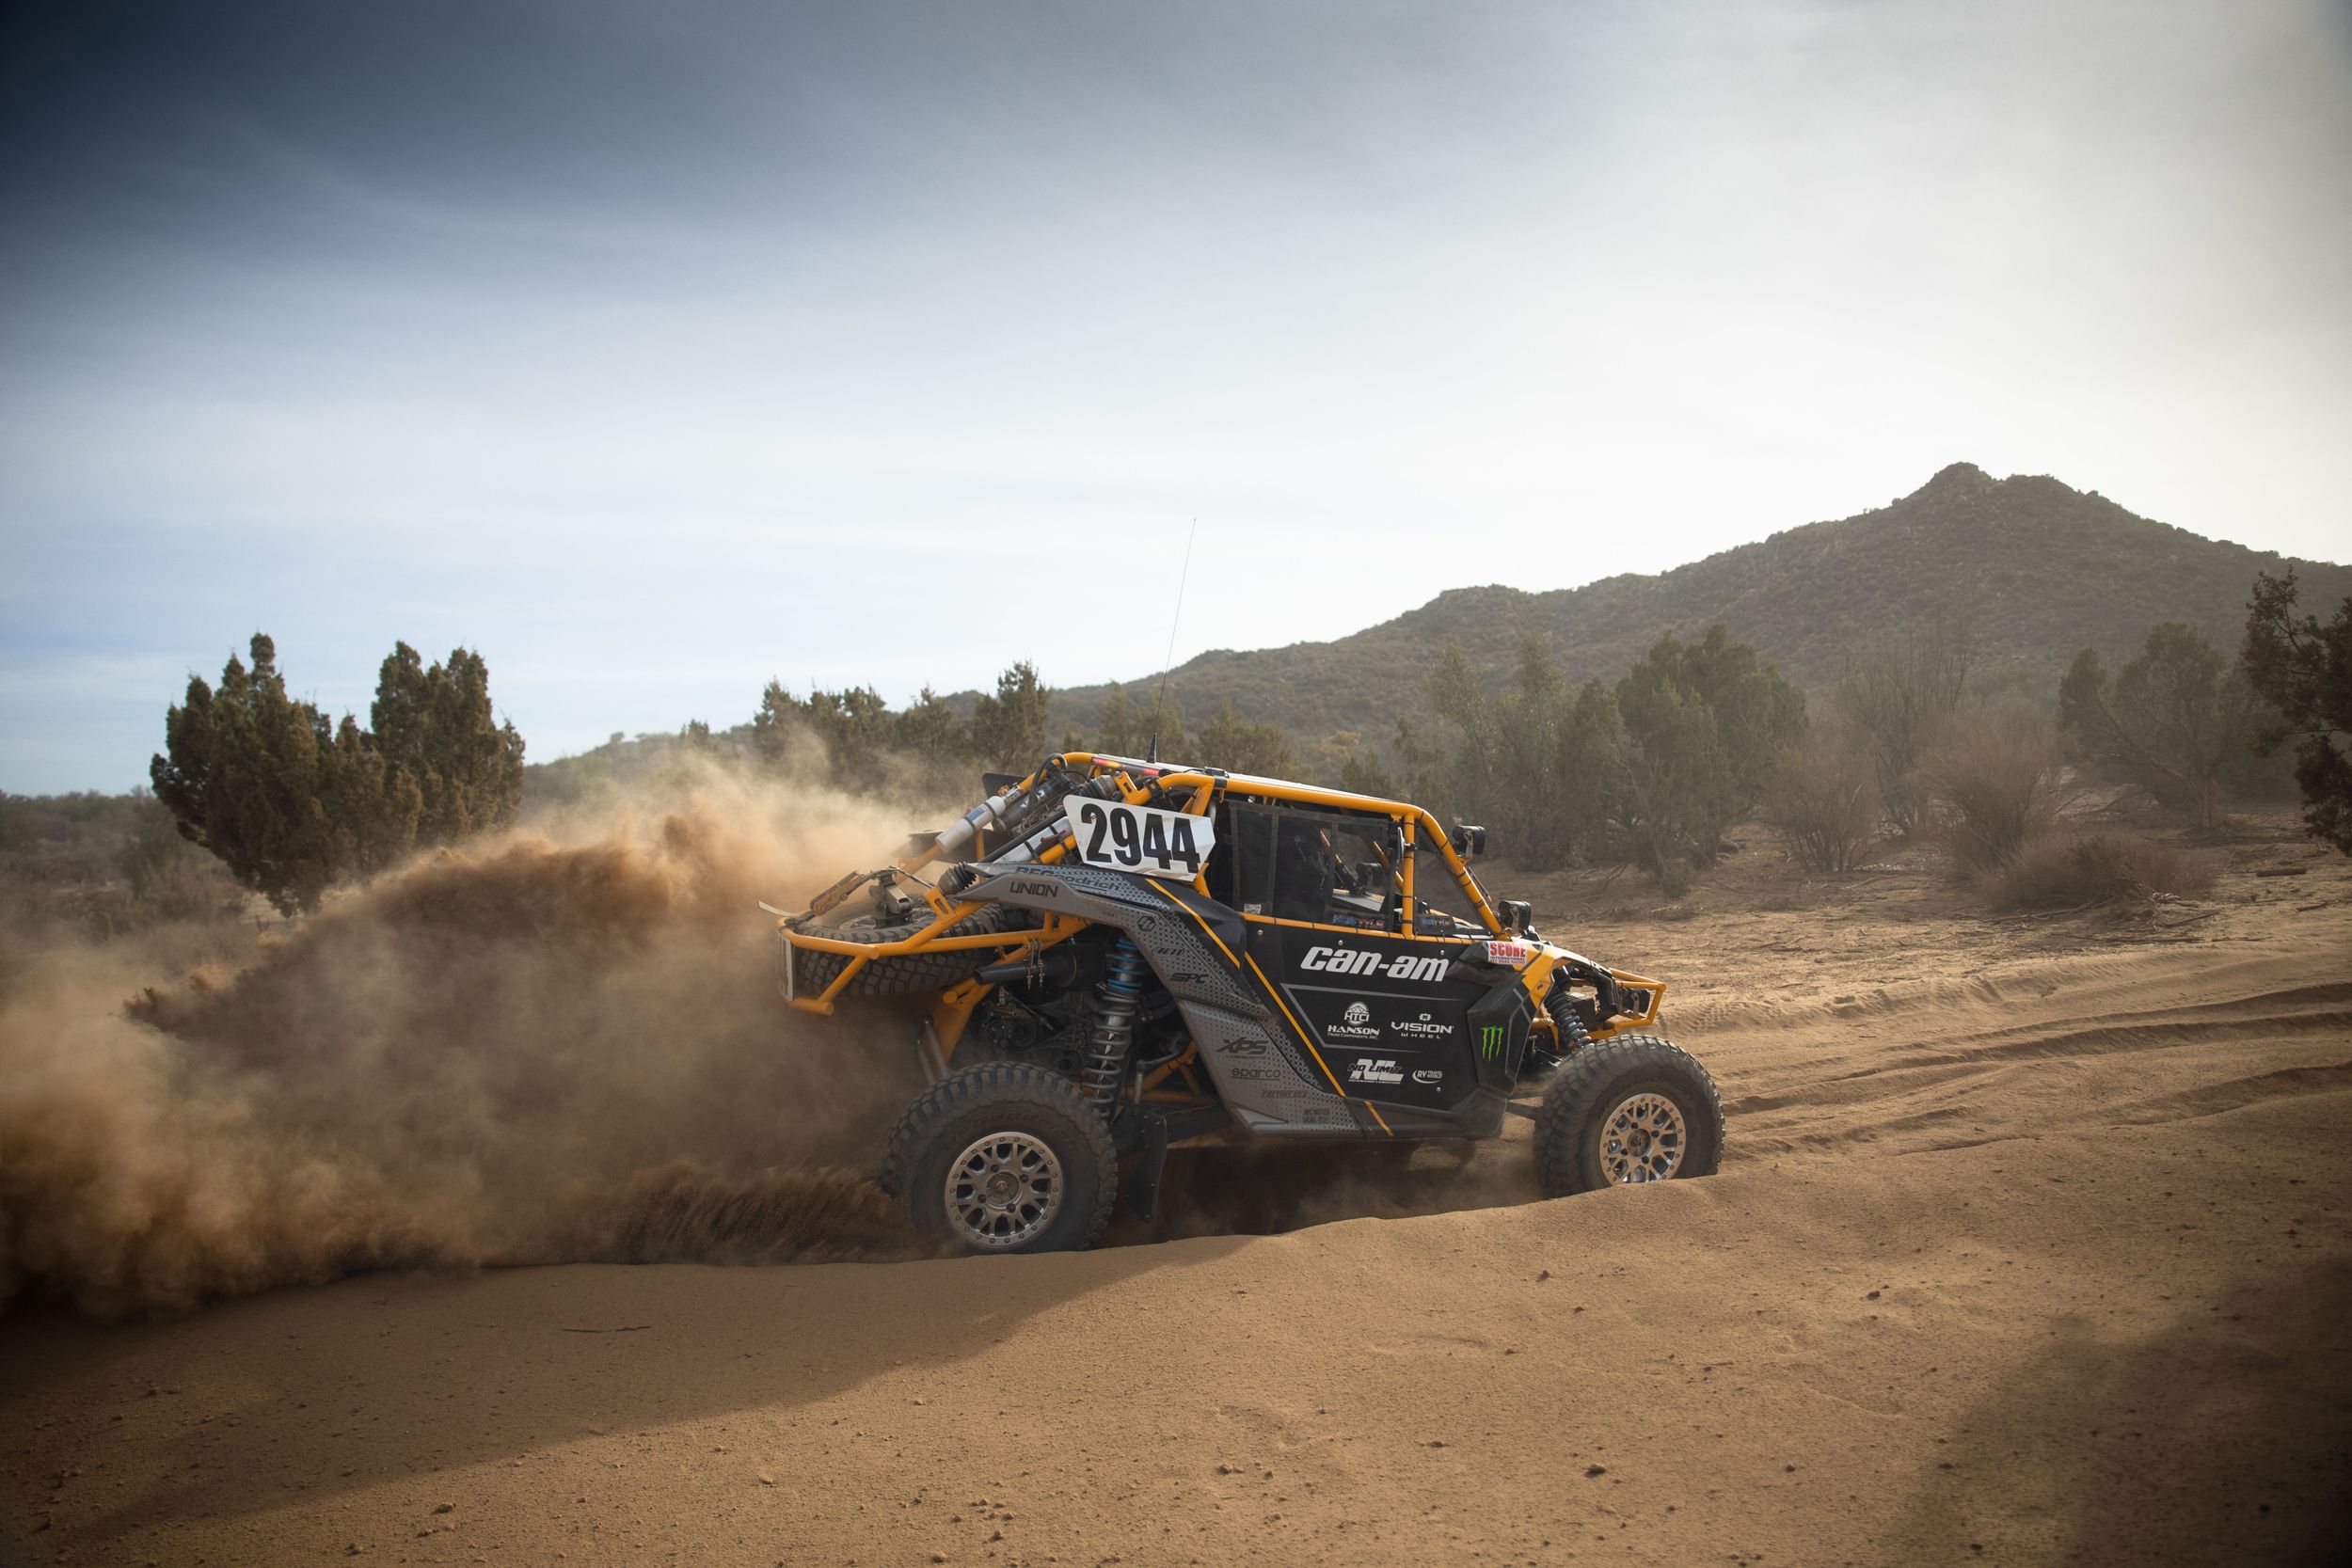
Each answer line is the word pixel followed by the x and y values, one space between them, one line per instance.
pixel 654 351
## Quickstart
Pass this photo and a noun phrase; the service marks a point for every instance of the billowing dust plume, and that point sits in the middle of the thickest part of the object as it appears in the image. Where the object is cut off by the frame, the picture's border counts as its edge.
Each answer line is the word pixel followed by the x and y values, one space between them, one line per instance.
pixel 538 1047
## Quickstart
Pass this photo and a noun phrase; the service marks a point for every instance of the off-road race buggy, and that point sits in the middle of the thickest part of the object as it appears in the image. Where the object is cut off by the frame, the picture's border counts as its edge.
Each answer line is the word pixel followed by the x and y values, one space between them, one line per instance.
pixel 1121 955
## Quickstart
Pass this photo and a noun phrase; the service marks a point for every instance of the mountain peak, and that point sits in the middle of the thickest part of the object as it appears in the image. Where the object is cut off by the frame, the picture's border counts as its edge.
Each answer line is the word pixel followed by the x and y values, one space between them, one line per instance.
pixel 1956 479
pixel 2034 568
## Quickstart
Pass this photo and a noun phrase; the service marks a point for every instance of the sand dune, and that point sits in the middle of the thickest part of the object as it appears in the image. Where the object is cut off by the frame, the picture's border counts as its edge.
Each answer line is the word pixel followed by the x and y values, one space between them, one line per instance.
pixel 2034 1250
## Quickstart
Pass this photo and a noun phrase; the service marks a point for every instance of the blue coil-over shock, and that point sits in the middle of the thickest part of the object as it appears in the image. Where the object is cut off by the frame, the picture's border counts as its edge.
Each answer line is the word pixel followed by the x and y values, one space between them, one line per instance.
pixel 1112 1038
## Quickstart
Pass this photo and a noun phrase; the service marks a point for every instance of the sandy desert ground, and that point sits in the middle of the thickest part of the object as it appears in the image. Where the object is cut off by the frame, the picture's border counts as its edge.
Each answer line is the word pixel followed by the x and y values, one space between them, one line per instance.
pixel 2030 1245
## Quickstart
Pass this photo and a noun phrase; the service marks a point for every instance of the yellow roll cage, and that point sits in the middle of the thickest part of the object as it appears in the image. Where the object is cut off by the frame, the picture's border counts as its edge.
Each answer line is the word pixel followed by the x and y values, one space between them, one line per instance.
pixel 1195 791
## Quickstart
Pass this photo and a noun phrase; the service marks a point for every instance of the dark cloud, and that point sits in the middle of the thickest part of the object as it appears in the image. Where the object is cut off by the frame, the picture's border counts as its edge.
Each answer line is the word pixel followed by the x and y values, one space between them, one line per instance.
pixel 517 322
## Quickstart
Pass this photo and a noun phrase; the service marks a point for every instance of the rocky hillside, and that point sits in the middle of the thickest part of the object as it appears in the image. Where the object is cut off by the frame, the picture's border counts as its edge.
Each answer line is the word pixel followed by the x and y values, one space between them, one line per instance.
pixel 2034 568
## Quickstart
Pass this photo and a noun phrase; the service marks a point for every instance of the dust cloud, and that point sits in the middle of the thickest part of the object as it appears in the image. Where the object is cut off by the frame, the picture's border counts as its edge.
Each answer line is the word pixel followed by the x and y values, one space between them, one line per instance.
pixel 556 1046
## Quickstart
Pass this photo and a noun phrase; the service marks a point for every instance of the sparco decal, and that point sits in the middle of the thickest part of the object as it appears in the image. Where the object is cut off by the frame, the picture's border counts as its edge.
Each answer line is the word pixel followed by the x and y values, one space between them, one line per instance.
pixel 1424 1027
pixel 1363 960
pixel 1376 1070
pixel 1256 1074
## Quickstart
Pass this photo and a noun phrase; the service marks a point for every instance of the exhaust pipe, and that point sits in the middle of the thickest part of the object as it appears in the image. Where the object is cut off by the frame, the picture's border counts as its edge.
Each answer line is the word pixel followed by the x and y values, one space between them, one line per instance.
pixel 996 810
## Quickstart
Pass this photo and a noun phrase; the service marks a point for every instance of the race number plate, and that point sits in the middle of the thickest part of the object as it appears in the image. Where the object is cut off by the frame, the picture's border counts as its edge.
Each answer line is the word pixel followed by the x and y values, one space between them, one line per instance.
pixel 1142 838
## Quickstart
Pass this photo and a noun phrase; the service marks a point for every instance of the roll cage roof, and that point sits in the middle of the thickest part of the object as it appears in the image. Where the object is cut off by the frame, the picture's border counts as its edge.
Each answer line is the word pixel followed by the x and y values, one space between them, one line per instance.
pixel 1145 782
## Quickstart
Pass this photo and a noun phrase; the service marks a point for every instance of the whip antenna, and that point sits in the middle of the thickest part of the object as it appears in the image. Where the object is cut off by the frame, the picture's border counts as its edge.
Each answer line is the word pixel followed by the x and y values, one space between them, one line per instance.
pixel 1167 661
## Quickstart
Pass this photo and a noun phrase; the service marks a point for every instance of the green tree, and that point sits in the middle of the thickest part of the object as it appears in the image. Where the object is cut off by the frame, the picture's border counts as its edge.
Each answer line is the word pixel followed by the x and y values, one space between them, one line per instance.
pixel 1009 729
pixel 2177 721
pixel 1361 771
pixel 2303 670
pixel 1704 723
pixel 1238 746
pixel 1591 783
pixel 2082 699
pixel 1127 728
pixel 853 728
pixel 289 802
pixel 436 725
pixel 1528 812
pixel 1468 729
pixel 1427 770
pixel 779 720
pixel 932 731
pixel 1900 695
pixel 1677 784
pixel 1115 732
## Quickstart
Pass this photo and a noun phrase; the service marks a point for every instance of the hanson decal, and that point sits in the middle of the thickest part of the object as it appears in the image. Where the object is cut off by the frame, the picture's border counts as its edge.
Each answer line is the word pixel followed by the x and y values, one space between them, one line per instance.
pixel 1355 1024
pixel 1363 960
pixel 1376 1070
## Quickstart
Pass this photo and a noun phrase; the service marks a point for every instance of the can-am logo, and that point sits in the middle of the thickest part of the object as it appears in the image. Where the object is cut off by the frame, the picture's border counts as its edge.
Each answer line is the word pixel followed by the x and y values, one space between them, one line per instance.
pixel 1423 1028
pixel 1359 1013
pixel 1376 1070
pixel 1363 960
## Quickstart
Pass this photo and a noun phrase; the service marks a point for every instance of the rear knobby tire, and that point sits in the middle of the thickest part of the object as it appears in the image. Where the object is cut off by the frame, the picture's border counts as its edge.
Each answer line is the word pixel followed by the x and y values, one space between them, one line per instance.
pixel 1010 1123
pixel 925 969
pixel 1626 1111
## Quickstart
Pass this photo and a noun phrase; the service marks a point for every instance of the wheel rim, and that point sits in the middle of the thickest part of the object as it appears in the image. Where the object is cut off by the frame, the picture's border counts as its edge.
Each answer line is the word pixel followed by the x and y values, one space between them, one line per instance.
pixel 1003 1189
pixel 1643 1140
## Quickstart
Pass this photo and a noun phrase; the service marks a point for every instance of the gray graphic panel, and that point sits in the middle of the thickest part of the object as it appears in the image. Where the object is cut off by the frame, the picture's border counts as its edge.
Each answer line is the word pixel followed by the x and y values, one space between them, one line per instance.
pixel 1266 1081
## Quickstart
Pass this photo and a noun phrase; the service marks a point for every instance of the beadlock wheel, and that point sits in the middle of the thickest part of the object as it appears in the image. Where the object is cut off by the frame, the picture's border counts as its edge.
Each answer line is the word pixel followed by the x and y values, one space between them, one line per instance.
pixel 1002 1190
pixel 1643 1140
pixel 1628 1112
pixel 1003 1157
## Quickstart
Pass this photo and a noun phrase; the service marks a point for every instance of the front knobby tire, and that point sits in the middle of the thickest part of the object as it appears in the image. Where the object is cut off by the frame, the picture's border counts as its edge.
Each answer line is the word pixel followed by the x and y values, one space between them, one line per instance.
pixel 1628 1112
pixel 1004 1157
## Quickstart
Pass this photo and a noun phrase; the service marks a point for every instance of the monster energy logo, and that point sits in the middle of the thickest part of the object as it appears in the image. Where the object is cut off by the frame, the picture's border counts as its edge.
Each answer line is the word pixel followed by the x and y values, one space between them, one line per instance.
pixel 1490 1041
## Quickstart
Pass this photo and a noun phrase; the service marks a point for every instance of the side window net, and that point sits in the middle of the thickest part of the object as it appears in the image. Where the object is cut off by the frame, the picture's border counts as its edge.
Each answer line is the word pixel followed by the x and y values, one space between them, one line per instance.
pixel 1241 869
pixel 1335 870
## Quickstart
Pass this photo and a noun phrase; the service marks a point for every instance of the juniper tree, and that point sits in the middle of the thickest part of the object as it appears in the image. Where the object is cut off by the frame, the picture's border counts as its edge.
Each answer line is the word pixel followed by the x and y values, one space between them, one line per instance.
pixel 2304 671
pixel 290 803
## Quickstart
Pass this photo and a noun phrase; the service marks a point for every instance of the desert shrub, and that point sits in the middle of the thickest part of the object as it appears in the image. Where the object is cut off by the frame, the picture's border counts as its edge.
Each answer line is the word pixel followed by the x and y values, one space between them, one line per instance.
pixel 2052 872
pixel 1995 781
pixel 1824 798
pixel 1899 694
